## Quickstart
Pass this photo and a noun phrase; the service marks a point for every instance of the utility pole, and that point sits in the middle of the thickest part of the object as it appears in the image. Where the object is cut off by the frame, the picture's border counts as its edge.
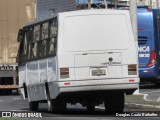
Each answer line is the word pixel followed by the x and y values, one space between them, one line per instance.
pixel 151 4
pixel 133 13
pixel 157 3
pixel 89 4
pixel 115 3
pixel 105 3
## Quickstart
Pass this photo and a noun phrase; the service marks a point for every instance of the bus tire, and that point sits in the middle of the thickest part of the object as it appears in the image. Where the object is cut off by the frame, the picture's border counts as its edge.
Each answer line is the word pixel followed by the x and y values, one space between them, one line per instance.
pixel 157 84
pixel 90 108
pixel 7 91
pixel 33 106
pixel 114 103
pixel 58 106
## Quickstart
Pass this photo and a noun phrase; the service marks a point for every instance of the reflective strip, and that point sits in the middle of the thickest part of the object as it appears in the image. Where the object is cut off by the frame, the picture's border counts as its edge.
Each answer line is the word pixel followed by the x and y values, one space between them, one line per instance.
pixel 8 86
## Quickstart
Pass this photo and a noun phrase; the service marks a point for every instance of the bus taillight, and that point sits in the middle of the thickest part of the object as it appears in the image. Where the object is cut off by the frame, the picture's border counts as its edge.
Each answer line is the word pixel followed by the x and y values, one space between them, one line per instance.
pixel 132 69
pixel 64 73
pixel 152 60
pixel 148 10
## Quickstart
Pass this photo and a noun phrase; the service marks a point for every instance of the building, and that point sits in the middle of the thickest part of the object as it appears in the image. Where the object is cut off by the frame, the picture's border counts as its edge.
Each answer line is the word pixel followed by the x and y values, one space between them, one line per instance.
pixel 45 8
pixel 13 15
pixel 150 3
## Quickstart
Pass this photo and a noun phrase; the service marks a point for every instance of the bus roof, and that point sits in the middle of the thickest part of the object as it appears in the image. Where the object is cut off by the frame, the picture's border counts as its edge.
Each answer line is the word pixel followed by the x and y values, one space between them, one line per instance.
pixel 79 12
pixel 95 11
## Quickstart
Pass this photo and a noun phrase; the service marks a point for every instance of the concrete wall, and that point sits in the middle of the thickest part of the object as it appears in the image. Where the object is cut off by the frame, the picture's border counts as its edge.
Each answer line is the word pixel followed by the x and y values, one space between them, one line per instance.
pixel 13 15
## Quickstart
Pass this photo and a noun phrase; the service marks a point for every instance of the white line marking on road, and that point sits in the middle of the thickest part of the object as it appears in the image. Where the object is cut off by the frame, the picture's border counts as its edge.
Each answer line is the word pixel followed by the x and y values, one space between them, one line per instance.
pixel 158 99
pixel 19 110
pixel 1 100
pixel 151 92
pixel 16 98
pixel 145 97
pixel 13 110
pixel 107 119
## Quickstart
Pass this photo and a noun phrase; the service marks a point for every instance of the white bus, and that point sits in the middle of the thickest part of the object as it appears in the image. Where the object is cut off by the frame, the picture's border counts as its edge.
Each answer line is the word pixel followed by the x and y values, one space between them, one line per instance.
pixel 87 57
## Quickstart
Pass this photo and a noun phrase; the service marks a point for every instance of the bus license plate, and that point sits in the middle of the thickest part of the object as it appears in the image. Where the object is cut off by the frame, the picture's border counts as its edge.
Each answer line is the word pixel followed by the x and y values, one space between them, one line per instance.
pixel 99 72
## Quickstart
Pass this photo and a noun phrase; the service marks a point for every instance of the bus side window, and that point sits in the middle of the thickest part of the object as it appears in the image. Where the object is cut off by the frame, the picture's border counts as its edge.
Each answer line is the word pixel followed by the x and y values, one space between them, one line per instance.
pixel 30 37
pixel 45 31
pixel 36 38
pixel 44 39
pixel 25 44
pixel 53 37
pixel 22 53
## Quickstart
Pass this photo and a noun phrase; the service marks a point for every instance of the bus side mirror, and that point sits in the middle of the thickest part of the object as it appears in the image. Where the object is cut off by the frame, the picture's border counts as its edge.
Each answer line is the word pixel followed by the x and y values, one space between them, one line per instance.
pixel 20 35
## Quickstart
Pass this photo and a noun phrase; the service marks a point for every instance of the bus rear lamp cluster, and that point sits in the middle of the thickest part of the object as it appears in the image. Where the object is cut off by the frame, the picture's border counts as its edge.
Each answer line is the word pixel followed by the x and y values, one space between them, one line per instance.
pixel 64 73
pixel 152 60
pixel 148 9
pixel 132 69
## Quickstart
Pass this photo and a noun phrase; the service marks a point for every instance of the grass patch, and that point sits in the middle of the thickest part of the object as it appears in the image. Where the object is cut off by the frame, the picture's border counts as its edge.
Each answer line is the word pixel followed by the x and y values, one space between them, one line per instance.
pixel 138 99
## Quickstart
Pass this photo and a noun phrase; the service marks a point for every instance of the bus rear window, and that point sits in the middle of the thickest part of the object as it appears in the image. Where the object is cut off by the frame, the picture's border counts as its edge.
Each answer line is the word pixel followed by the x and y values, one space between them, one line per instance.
pixel 96 32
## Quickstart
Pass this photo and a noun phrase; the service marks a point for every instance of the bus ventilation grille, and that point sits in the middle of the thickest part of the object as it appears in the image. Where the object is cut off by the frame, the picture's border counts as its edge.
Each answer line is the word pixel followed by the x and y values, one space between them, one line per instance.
pixel 142 40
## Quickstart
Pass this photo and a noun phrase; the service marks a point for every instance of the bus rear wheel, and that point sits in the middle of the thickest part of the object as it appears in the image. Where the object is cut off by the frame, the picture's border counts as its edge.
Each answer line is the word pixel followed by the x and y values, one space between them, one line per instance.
pixel 157 84
pixel 90 108
pixel 5 91
pixel 33 106
pixel 57 106
pixel 114 103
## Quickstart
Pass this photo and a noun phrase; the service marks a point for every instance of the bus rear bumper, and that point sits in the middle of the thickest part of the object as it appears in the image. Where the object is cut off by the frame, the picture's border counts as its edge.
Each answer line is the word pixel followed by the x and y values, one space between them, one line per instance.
pixel 57 88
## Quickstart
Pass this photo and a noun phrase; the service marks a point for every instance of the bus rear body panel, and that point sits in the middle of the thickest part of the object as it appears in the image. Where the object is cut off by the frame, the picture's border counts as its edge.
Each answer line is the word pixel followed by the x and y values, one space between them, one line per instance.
pixel 95 55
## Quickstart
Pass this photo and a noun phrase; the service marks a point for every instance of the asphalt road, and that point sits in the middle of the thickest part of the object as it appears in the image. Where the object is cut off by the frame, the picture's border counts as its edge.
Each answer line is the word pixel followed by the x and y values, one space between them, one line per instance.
pixel 15 103
pixel 152 91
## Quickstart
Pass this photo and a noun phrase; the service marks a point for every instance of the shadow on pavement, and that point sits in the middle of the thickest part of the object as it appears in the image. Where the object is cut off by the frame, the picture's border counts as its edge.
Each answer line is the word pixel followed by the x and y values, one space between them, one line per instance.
pixel 148 86
pixel 8 92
